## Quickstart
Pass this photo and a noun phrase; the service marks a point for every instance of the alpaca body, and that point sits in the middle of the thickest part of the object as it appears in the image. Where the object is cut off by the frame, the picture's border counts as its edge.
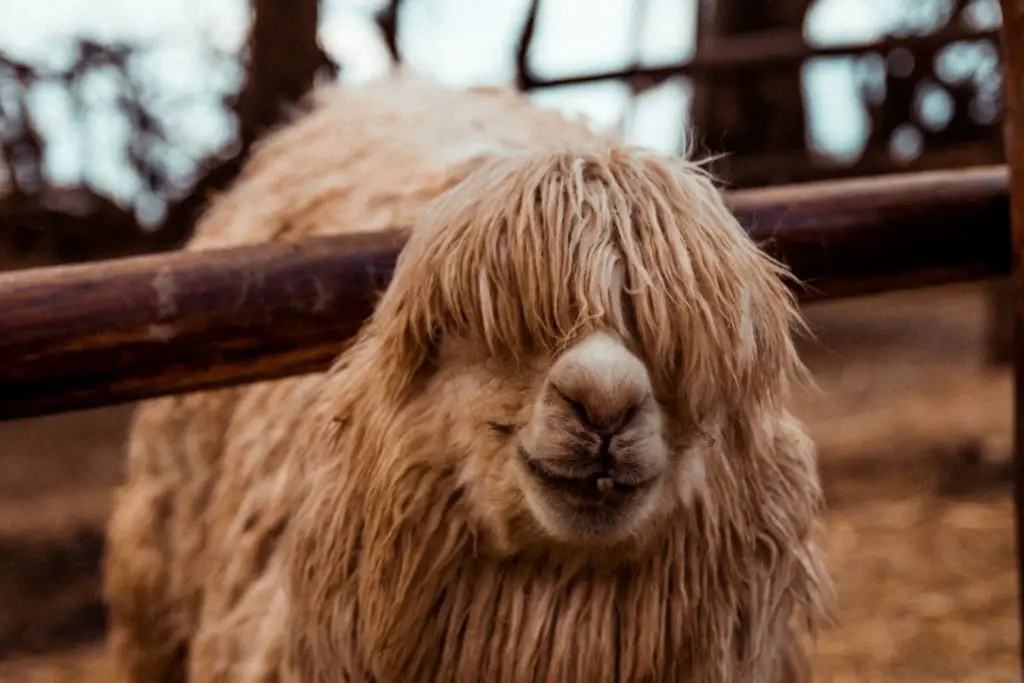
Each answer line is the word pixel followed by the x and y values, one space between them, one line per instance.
pixel 367 524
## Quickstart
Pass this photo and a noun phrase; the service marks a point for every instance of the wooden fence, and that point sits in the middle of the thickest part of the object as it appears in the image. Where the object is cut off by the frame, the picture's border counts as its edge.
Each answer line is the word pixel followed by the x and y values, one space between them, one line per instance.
pixel 75 337
pixel 83 336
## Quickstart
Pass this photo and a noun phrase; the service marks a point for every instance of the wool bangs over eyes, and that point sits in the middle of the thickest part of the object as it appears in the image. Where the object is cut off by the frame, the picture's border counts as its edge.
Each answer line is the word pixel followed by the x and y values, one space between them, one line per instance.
pixel 531 250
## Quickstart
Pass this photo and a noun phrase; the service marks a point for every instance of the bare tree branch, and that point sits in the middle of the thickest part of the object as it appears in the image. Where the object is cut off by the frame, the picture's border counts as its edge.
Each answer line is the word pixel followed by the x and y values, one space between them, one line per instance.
pixel 282 59
pixel 387 21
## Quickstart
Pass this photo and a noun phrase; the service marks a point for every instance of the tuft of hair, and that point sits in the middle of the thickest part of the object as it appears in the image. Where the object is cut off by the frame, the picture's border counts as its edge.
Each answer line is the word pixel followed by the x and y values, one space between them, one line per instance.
pixel 538 249
pixel 371 523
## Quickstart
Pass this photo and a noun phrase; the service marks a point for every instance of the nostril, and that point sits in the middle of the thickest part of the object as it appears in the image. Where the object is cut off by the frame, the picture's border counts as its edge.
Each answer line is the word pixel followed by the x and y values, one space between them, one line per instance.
pixel 576 405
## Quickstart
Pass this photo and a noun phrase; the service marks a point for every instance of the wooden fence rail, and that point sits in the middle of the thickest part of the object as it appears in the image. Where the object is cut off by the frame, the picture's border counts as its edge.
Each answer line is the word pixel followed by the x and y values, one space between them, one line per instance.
pixel 780 49
pixel 74 337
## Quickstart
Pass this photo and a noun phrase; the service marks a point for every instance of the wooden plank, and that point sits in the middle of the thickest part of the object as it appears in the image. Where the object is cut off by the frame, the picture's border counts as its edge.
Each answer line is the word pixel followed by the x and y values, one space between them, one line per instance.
pixel 88 335
pixel 1013 89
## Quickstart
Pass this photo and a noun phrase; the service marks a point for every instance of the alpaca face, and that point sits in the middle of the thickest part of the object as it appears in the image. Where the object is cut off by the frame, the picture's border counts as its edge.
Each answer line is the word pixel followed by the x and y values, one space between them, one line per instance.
pixel 592 458
pixel 676 324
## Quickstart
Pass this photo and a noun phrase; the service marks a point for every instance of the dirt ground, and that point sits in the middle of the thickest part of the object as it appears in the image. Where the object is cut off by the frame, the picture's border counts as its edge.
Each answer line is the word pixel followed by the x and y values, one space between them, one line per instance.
pixel 914 432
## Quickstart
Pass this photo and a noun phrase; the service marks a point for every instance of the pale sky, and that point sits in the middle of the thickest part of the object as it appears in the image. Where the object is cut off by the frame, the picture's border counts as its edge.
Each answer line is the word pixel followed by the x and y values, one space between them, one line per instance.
pixel 459 41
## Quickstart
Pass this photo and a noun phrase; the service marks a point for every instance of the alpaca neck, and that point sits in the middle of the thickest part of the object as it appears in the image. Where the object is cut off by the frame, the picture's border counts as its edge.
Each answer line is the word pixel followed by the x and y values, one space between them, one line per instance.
pixel 526 620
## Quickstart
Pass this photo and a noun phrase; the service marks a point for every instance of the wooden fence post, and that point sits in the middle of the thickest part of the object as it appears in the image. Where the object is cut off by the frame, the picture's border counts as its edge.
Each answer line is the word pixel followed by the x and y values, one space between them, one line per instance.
pixel 1013 90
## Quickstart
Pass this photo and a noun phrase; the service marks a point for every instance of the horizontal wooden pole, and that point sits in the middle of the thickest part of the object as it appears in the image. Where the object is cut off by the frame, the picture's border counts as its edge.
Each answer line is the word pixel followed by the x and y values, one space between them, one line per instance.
pixel 74 337
pixel 82 336
pixel 852 237
pixel 758 52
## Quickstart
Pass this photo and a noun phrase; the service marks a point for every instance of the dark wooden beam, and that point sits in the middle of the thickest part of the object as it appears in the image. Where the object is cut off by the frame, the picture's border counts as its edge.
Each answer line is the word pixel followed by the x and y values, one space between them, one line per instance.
pixel 102 333
pixel 1013 89
pixel 860 236
pixel 113 331
pixel 778 49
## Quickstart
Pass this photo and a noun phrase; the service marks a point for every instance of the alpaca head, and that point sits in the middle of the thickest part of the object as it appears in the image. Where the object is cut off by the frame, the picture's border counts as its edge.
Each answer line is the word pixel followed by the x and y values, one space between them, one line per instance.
pixel 564 333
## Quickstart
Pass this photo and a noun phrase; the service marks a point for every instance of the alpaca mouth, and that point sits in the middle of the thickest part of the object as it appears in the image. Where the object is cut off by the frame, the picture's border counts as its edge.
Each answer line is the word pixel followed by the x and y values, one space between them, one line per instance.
pixel 599 488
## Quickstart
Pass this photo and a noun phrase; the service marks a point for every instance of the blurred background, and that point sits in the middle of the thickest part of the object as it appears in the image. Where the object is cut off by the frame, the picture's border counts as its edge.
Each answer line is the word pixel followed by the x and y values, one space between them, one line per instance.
pixel 119 119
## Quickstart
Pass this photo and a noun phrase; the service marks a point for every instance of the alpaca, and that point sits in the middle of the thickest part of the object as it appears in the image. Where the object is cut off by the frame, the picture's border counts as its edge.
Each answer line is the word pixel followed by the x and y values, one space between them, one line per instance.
pixel 558 451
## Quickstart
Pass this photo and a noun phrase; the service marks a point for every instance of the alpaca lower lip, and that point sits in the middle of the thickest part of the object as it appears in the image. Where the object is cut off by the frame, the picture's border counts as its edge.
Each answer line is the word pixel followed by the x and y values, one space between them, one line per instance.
pixel 596 489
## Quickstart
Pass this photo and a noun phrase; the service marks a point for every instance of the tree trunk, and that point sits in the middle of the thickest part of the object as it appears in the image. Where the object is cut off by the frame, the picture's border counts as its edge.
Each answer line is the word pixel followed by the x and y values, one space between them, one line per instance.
pixel 751 115
pixel 284 60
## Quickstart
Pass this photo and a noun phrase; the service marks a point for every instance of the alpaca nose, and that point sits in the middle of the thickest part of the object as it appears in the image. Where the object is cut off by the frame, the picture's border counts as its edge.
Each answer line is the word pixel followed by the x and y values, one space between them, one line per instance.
pixel 606 415
pixel 603 383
